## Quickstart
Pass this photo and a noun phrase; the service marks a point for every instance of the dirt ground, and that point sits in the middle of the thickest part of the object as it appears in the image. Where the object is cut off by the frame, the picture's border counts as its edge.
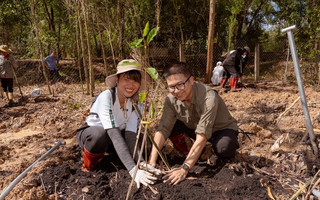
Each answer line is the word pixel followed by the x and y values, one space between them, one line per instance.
pixel 259 171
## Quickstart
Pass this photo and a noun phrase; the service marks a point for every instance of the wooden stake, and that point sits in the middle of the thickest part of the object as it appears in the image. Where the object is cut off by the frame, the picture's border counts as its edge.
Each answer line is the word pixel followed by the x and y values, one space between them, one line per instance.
pixel 15 76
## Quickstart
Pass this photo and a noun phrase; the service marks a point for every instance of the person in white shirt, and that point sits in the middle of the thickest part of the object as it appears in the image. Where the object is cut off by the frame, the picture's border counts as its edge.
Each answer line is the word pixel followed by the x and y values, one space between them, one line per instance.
pixel 217 74
pixel 113 121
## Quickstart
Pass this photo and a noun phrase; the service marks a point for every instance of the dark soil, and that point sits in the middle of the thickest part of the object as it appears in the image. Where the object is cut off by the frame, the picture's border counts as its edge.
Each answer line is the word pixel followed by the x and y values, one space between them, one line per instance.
pixel 111 181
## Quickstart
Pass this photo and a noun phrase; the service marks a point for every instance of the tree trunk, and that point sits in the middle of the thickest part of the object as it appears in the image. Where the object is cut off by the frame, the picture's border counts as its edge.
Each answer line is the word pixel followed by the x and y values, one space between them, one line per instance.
pixel 40 44
pixel 91 75
pixel 317 66
pixel 252 19
pixel 58 42
pixel 240 18
pixel 256 61
pixel 101 41
pixel 120 25
pixel 177 13
pixel 158 11
pixel 210 42
pixel 50 20
pixel 98 50
pixel 84 57
pixel 109 37
pixel 78 52
pixel 316 48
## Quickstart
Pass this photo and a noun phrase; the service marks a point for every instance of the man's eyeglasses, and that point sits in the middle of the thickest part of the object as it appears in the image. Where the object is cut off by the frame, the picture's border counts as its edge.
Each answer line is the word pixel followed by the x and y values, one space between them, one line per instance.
pixel 179 86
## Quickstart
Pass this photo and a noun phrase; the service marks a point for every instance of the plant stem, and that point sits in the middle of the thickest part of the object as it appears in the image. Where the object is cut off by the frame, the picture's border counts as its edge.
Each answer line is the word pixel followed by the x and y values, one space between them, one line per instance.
pixel 152 141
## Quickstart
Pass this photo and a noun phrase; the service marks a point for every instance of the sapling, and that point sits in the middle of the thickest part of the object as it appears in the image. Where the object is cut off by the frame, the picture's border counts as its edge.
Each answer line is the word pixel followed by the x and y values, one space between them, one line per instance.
pixel 143 98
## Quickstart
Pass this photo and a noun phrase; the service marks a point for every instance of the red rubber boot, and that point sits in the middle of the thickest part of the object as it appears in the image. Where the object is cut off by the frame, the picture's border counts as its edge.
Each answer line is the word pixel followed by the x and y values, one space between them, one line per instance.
pixel 223 82
pixel 180 142
pixel 90 160
pixel 233 84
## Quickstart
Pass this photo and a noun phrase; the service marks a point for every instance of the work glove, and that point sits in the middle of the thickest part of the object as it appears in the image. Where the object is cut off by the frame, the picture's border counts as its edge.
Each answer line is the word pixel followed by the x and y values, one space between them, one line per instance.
pixel 143 165
pixel 143 177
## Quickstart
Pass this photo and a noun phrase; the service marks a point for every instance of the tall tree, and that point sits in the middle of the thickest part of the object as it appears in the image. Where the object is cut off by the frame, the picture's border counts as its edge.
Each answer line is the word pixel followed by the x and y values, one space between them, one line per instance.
pixel 210 41
pixel 39 42
pixel 83 48
pixel 234 9
pixel 101 39
pixel 120 22
pixel 86 20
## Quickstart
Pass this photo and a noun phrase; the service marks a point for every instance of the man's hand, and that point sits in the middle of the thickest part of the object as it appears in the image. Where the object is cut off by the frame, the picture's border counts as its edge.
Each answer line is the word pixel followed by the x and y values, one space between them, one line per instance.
pixel 151 169
pixel 174 176
pixel 45 64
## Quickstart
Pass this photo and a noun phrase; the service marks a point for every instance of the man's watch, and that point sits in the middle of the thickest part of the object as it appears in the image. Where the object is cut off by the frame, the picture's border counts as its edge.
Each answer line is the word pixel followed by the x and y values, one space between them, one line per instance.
pixel 185 167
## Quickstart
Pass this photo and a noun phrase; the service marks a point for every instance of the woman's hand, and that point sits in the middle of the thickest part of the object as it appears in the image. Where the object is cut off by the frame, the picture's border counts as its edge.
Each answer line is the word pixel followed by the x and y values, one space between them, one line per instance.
pixel 174 176
pixel 150 168
pixel 143 177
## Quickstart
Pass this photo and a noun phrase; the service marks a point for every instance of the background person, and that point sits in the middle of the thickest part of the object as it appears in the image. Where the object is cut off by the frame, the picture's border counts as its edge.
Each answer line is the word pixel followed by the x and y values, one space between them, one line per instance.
pixel 6 72
pixel 233 67
pixel 113 121
pixel 197 111
pixel 245 58
pixel 52 62
pixel 217 74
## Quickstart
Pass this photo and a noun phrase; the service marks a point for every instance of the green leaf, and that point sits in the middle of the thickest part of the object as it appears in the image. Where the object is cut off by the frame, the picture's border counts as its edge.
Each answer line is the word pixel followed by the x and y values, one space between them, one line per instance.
pixel 126 63
pixel 146 30
pixel 136 44
pixel 153 72
pixel 132 44
pixel 152 34
pixel 142 97
pixel 152 111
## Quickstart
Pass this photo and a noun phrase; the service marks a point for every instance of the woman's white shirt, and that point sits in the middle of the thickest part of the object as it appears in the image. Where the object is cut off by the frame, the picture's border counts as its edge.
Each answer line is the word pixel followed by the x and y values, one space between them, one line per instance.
pixel 108 115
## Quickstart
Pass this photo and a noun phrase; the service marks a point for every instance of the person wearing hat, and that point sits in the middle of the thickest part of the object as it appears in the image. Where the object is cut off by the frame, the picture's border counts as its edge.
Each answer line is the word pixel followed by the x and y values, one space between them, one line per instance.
pixel 6 72
pixel 233 66
pixel 217 74
pixel 113 121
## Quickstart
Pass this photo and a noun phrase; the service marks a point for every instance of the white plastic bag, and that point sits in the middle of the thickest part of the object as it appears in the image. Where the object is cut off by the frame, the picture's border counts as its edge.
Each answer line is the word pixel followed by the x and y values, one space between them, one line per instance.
pixel 35 92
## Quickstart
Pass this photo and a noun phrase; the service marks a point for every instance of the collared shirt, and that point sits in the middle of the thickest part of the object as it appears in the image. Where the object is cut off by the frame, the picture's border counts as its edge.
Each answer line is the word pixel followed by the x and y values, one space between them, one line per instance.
pixel 206 114
pixel 108 115
pixel 6 70
pixel 51 62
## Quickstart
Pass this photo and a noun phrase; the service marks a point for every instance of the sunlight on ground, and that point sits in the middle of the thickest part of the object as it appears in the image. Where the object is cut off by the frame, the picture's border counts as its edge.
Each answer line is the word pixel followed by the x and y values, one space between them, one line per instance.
pixel 18 135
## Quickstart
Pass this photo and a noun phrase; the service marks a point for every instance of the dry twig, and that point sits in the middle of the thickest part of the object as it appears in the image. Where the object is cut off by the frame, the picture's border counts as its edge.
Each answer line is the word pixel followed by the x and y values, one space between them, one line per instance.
pixel 313 187
pixel 44 188
pixel 287 110
pixel 117 171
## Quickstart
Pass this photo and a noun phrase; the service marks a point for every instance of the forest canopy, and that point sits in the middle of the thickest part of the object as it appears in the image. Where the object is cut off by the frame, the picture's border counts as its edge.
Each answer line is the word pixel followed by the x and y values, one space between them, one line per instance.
pixel 114 24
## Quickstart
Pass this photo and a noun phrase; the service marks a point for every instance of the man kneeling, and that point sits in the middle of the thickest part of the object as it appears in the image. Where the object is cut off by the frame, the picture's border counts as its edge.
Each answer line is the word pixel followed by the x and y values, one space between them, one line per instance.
pixel 198 111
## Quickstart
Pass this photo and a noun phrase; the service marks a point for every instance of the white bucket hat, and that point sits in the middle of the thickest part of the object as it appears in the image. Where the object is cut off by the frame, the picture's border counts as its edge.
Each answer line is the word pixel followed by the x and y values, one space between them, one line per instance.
pixel 125 66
